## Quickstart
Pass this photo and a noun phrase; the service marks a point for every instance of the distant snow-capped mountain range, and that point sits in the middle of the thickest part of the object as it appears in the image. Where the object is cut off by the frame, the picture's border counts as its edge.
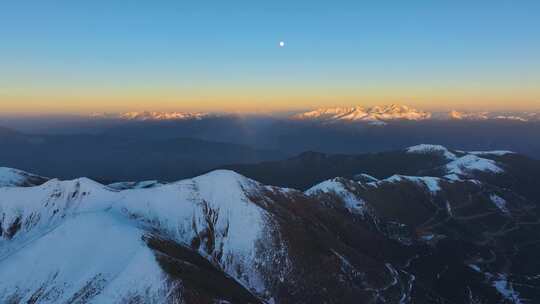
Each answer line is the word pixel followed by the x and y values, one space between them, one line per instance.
pixel 380 115
pixel 376 115
pixel 373 115
pixel 152 115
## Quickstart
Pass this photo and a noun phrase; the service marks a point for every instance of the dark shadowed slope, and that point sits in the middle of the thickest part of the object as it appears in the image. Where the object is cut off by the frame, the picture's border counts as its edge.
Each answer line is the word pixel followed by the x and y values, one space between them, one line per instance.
pixel 114 158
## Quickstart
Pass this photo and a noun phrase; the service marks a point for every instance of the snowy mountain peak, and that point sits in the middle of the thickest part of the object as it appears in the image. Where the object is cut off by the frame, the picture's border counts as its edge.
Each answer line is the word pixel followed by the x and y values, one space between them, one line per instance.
pixel 152 115
pixel 379 115
pixel 359 113
pixel 212 214
pixel 429 149
pixel 483 115
pixel 469 163
pixel 457 115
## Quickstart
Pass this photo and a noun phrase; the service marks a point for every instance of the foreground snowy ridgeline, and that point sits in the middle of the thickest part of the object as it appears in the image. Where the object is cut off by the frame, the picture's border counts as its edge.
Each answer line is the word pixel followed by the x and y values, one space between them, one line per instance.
pixel 463 234
pixel 68 240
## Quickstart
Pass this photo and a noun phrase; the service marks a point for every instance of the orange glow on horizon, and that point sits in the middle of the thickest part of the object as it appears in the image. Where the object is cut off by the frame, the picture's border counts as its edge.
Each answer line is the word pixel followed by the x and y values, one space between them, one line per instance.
pixel 252 103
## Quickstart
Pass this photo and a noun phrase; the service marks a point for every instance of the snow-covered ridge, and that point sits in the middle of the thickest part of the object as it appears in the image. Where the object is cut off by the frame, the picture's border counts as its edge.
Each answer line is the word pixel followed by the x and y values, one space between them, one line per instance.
pixel 457 115
pixel 15 178
pixel 135 185
pixel 185 211
pixel 494 152
pixel 376 114
pixel 431 183
pixel 462 163
pixel 429 149
pixel 483 115
pixel 470 163
pixel 337 186
pixel 379 115
pixel 153 115
pixel 459 166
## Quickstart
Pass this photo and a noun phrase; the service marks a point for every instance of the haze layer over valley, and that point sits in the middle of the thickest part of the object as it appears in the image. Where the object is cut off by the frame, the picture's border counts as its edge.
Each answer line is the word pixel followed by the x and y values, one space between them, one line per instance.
pixel 172 145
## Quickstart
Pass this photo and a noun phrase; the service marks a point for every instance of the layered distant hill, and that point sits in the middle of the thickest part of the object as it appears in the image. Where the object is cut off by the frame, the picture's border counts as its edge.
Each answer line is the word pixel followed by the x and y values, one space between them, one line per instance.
pixel 309 168
pixel 423 225
pixel 172 145
pixel 121 158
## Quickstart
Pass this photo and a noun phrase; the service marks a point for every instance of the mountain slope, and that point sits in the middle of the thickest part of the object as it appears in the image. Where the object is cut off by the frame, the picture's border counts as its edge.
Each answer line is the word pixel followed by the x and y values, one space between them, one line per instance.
pixel 12 177
pixel 230 226
pixel 456 231
pixel 479 237
pixel 115 158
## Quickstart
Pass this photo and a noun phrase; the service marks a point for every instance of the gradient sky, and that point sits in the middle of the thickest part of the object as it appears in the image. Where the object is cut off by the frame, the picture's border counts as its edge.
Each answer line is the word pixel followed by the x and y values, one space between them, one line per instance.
pixel 87 56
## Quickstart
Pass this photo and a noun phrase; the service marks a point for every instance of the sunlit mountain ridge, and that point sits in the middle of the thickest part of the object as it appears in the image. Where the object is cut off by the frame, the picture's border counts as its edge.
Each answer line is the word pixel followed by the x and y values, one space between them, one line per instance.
pixel 375 115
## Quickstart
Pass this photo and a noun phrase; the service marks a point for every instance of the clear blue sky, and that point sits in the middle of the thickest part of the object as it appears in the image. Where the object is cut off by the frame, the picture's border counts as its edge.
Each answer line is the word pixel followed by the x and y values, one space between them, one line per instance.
pixel 83 55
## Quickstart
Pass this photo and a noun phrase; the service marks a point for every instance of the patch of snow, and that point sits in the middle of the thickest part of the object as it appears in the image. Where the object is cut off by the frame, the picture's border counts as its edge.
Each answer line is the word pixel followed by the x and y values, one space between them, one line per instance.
pixel 511 117
pixel 448 208
pixel 352 202
pixel 152 116
pixel 467 115
pixel 470 163
pixel 453 177
pixel 505 288
pixel 431 183
pixel 499 202
pixel 475 268
pixel 365 177
pixel 475 181
pixel 495 152
pixel 430 149
pixel 427 237
pixel 377 115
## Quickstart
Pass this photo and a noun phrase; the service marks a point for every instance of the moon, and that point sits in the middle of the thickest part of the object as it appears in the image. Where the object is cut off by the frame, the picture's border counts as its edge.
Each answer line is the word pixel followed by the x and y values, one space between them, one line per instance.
pixel 281 43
